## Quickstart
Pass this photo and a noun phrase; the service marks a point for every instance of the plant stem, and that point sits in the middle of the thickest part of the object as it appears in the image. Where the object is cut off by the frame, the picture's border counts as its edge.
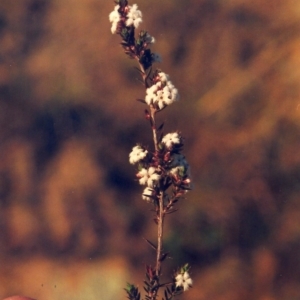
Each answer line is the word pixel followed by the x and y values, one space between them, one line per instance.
pixel 160 214
pixel 160 226
pixel 152 116
pixel 143 72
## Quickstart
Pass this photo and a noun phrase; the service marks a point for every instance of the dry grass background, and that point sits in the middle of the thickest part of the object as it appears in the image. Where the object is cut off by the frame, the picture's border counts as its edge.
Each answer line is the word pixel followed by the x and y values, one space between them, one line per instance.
pixel 71 217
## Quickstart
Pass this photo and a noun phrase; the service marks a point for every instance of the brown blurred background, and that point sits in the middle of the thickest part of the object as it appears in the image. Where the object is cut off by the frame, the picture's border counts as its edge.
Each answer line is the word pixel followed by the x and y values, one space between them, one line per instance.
pixel 71 214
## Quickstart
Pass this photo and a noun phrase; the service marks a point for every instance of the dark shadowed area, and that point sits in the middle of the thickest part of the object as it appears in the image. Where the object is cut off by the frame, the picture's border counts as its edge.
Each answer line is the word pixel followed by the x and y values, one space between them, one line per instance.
pixel 72 220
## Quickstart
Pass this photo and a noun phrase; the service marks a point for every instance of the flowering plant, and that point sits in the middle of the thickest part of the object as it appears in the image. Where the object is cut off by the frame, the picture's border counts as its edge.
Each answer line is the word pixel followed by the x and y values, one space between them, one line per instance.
pixel 163 171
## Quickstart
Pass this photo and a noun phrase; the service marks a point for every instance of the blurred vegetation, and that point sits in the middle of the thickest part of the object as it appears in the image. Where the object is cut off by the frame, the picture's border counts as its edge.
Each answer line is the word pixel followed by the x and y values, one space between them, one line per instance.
pixel 71 214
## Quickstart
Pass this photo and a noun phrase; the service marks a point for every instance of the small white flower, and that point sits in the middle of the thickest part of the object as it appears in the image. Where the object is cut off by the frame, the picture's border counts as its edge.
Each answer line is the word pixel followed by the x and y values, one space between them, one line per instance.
pixel 134 16
pixel 114 17
pixel 166 96
pixel 170 85
pixel 166 90
pixel 149 98
pixel 168 100
pixel 163 76
pixel 175 94
pixel 158 85
pixel 137 154
pixel 184 280
pixel 147 194
pixel 160 104
pixel 160 95
pixel 150 94
pixel 148 177
pixel 171 139
pixel 114 27
pixel 154 88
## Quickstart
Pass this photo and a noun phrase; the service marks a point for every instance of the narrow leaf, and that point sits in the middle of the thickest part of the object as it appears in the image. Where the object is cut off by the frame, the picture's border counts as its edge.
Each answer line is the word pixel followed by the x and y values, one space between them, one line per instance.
pixel 161 126
pixel 139 70
pixel 163 256
pixel 151 244
pixel 171 211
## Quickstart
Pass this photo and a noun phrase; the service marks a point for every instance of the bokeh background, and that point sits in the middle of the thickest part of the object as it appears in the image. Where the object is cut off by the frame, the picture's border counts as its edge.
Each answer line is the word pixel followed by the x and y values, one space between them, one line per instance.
pixel 72 220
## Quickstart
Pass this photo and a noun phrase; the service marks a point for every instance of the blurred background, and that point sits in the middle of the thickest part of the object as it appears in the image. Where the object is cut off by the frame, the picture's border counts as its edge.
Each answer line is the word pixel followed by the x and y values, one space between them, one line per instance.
pixel 72 220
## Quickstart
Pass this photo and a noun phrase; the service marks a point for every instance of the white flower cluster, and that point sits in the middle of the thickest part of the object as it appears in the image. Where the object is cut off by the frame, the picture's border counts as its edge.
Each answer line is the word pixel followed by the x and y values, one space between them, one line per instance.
pixel 137 154
pixel 134 16
pixel 114 17
pixel 148 176
pixel 171 139
pixel 162 93
pixel 184 280
pixel 179 166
